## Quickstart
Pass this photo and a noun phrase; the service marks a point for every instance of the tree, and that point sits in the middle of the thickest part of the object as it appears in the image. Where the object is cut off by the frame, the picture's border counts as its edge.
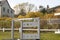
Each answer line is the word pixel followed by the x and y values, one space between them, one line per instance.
pixel 20 16
pixel 26 7
pixel 31 6
pixel 42 9
pixel 39 14
pixel 23 13
pixel 30 15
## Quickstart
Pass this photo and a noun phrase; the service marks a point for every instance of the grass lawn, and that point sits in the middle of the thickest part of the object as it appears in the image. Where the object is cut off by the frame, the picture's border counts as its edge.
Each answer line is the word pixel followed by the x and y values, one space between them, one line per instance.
pixel 44 35
pixel 7 35
pixel 49 36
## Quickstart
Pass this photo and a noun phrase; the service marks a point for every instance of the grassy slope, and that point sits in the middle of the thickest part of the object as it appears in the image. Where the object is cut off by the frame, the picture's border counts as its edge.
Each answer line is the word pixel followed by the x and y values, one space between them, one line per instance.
pixel 44 35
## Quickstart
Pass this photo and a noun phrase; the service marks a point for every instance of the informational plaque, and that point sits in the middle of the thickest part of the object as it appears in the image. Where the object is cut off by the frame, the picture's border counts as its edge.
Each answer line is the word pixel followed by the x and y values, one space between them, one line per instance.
pixel 30 29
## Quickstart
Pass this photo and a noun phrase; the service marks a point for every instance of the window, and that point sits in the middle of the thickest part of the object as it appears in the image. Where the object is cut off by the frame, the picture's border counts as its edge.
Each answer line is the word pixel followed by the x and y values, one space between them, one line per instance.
pixel 8 10
pixel 11 12
pixel 3 9
pixel 0 2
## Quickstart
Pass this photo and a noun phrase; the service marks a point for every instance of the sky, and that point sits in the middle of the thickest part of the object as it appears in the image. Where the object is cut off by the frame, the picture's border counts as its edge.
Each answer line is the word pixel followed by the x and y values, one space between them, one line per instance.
pixel 51 3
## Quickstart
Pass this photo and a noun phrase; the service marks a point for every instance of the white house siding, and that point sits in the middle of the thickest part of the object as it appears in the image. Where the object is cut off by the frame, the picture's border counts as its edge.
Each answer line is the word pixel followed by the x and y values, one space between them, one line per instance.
pixel 6 6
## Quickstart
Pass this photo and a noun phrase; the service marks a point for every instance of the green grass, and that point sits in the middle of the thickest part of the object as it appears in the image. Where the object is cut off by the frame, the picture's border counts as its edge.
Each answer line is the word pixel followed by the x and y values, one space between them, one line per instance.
pixel 49 36
pixel 44 35
pixel 7 35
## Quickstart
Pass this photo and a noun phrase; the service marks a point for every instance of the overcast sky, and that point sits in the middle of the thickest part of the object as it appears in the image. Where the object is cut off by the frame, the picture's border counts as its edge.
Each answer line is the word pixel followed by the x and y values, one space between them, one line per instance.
pixel 51 3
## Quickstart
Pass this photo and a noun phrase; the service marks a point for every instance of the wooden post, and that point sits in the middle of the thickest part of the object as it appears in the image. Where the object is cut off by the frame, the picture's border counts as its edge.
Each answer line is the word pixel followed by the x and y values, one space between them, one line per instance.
pixel 21 23
pixel 3 29
pixel 12 30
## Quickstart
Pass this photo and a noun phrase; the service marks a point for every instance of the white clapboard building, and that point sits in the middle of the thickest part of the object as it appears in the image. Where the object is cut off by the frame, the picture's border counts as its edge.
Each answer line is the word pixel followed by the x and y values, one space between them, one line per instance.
pixel 5 9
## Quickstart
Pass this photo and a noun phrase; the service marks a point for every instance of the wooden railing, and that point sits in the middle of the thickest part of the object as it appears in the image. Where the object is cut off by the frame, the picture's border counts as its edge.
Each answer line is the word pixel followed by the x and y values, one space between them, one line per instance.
pixel 17 29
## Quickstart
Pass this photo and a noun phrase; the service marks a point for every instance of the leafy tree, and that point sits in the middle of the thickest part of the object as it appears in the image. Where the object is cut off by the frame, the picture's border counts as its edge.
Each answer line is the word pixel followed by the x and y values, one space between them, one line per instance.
pixel 24 7
pixel 43 10
pixel 20 16
pixel 23 13
pixel 39 14
pixel 30 15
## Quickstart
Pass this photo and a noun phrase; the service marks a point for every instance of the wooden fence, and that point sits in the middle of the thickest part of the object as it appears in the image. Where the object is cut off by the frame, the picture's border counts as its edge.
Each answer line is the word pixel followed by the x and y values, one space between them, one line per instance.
pixel 17 29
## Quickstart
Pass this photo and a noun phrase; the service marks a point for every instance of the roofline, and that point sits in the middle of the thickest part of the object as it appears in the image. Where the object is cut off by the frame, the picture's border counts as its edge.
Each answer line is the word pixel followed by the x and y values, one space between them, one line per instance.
pixel 55 7
pixel 9 6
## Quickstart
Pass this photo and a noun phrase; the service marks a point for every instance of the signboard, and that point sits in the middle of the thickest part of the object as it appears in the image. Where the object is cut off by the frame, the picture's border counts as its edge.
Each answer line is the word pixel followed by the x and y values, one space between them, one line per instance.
pixel 30 29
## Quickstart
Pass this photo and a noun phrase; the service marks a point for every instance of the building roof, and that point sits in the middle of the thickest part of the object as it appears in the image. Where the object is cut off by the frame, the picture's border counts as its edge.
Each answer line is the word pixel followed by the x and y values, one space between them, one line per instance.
pixel 56 7
pixel 3 2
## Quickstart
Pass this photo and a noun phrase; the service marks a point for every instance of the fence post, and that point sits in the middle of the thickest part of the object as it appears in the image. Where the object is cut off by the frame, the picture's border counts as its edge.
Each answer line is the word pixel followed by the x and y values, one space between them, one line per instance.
pixel 19 30
pixel 12 30
pixel 3 29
